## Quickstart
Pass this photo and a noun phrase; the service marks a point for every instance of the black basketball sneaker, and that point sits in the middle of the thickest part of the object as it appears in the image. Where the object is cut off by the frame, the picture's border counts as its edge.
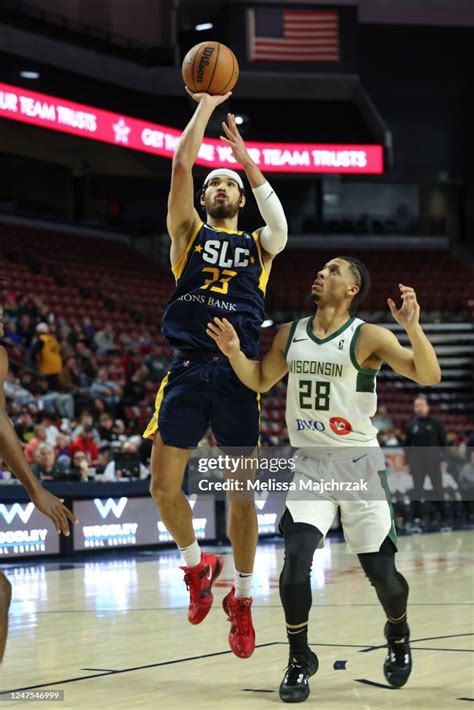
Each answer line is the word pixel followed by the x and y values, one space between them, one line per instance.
pixel 294 688
pixel 397 665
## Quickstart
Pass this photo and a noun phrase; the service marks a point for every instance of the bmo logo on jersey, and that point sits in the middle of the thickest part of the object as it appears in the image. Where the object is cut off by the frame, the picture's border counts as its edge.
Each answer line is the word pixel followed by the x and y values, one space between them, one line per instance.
pixel 215 252
pixel 311 425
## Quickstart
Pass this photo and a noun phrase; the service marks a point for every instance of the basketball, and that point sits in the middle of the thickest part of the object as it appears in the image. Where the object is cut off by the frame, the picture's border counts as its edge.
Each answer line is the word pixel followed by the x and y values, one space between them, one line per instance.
pixel 210 67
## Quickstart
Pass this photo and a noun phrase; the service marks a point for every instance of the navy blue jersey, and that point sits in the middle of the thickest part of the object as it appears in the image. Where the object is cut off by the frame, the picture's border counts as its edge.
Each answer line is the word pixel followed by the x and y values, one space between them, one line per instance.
pixel 221 273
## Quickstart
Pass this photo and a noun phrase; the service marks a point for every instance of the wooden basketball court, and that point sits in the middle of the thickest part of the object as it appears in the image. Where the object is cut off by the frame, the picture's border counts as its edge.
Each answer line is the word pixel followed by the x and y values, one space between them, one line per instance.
pixel 113 633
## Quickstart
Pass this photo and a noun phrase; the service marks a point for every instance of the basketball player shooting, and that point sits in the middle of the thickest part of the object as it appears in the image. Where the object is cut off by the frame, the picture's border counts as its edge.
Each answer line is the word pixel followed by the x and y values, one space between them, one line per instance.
pixel 218 271
pixel 12 453
pixel 341 402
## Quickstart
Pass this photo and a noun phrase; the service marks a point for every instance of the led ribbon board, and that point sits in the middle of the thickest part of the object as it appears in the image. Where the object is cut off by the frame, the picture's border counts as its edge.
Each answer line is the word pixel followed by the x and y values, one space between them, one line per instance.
pixel 18 104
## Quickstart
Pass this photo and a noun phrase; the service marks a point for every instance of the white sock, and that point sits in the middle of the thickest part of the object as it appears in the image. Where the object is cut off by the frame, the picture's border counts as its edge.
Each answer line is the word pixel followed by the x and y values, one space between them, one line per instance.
pixel 242 583
pixel 191 554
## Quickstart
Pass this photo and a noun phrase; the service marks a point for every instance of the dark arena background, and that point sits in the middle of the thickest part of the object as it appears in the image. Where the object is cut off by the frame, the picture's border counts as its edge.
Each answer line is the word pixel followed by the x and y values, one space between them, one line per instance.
pixel 368 141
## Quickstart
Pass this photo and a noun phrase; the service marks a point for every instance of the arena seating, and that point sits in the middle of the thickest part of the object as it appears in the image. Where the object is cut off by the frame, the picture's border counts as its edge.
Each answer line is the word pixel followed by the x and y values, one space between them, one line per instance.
pixel 113 283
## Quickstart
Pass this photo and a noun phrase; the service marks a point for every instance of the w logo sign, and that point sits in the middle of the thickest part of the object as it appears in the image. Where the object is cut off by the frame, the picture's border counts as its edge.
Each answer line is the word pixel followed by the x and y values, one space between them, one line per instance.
pixel 110 505
pixel 9 513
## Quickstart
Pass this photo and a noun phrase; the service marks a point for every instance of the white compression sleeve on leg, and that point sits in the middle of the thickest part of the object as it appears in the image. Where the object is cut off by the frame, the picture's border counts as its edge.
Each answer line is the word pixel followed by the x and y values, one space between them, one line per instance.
pixel 274 235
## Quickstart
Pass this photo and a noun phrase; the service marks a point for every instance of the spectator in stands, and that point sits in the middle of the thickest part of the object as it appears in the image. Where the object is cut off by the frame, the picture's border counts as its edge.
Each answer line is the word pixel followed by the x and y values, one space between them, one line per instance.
pixel 70 383
pixel 15 392
pixel 45 467
pixel 25 330
pixel 25 428
pixel 111 473
pixel 80 466
pixel 146 341
pixel 382 421
pixel 88 330
pixel 27 306
pixel 466 479
pixel 56 403
pixel 52 430
pixel 10 307
pixel 105 428
pixel 62 449
pixel 85 443
pixel 43 311
pixel 97 407
pixel 86 420
pixel 389 438
pixel 156 364
pixel 47 351
pixel 106 389
pixel 128 344
pixel 87 364
pixel 34 443
pixel 427 437
pixel 26 380
pixel 134 391
pixel 455 456
pixel 104 340
pixel 11 333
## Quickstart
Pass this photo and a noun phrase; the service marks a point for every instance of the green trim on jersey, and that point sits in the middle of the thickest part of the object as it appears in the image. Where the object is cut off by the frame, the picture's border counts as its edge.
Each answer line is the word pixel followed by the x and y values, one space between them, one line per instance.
pixel 320 341
pixel 366 380
pixel 366 375
pixel 290 337
pixel 392 534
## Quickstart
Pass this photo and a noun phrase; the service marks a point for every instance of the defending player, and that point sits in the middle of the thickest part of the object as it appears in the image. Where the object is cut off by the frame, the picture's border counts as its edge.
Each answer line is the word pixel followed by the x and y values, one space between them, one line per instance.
pixel 218 271
pixel 333 359
pixel 12 453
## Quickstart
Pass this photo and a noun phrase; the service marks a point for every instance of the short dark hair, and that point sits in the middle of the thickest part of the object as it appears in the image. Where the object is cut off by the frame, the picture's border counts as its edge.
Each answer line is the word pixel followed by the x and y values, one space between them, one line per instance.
pixel 362 279
pixel 422 396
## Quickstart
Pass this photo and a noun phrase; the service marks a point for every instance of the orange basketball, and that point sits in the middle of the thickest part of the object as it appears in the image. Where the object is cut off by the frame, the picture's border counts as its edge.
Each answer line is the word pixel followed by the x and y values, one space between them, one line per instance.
pixel 210 67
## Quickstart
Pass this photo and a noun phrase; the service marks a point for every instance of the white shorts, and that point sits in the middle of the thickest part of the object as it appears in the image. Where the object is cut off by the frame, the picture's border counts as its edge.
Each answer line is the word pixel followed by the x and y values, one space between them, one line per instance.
pixel 365 523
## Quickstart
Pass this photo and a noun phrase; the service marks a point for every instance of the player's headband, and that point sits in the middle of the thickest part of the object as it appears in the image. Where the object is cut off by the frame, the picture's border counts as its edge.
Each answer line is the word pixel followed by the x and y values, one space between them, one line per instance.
pixel 228 173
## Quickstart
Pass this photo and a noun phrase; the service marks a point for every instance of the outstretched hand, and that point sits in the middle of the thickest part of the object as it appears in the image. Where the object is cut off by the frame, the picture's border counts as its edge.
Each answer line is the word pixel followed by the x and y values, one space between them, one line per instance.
pixel 234 140
pixel 224 334
pixel 408 314
pixel 53 508
pixel 213 101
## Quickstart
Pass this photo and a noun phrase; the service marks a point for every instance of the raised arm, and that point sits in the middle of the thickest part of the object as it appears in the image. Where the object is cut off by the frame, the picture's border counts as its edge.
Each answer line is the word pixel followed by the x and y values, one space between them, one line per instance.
pixel 259 376
pixel 182 218
pixel 274 235
pixel 419 363
pixel 12 453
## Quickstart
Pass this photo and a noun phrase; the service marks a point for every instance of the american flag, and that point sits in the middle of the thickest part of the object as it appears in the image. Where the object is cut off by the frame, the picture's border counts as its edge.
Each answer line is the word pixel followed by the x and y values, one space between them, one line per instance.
pixel 302 36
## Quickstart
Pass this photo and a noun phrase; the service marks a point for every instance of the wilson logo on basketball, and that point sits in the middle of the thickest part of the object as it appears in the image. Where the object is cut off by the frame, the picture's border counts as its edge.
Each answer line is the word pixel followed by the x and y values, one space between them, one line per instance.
pixel 340 426
pixel 204 62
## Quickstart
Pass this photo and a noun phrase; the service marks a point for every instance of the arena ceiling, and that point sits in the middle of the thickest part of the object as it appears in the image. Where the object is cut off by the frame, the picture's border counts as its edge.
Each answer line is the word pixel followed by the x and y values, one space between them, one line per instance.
pixel 410 12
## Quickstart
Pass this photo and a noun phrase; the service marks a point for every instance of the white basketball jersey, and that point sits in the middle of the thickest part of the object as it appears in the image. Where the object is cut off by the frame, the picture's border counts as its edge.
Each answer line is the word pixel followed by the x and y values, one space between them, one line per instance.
pixel 330 397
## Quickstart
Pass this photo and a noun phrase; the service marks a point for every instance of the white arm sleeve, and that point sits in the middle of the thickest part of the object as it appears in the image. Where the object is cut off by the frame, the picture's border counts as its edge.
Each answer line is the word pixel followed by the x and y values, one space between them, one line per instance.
pixel 274 235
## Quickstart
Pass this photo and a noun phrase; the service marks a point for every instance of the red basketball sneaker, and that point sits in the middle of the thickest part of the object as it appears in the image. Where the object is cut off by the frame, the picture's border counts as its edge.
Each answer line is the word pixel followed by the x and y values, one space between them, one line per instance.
pixel 199 581
pixel 242 633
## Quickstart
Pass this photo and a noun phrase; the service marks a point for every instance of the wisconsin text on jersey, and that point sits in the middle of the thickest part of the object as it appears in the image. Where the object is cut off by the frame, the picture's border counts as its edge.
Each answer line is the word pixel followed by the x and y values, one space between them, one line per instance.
pixel 313 367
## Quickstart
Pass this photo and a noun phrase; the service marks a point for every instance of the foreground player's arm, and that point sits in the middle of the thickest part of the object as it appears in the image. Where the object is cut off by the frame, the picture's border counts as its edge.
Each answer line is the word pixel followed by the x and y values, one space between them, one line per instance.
pixel 182 217
pixel 420 363
pixel 12 453
pixel 274 235
pixel 257 375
